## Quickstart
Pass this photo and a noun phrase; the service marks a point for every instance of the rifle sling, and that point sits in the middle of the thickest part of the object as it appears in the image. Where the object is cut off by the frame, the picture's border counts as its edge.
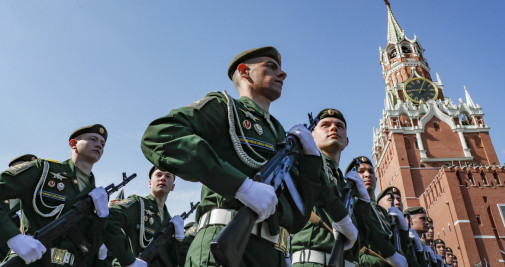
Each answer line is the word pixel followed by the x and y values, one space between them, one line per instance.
pixel 366 250
pixel 317 221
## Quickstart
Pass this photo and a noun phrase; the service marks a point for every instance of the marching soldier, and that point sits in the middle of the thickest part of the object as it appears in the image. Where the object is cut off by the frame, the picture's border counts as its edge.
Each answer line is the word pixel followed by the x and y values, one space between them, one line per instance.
pixel 449 257
pixel 312 245
pixel 48 189
pixel 222 142
pixel 384 202
pixel 12 205
pixel 430 234
pixel 134 222
pixel 376 233
pixel 454 261
pixel 439 245
pixel 418 226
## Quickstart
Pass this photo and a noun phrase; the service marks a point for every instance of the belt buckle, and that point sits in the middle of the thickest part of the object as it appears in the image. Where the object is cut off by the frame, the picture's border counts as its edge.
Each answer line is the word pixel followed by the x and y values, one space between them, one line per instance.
pixel 61 256
pixel 282 244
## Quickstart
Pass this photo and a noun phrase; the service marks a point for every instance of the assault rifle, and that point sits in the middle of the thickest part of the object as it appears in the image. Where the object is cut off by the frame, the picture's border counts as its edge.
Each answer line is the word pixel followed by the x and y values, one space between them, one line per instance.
pixel 337 252
pixel 394 225
pixel 66 224
pixel 229 245
pixel 163 237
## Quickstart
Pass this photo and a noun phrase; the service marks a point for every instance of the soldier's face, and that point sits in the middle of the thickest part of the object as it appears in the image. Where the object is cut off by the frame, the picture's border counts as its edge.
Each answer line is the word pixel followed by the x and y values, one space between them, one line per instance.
pixel 89 146
pixel 330 135
pixel 430 233
pixel 367 173
pixel 419 223
pixel 440 249
pixel 454 262
pixel 449 257
pixel 385 202
pixel 161 183
pixel 266 78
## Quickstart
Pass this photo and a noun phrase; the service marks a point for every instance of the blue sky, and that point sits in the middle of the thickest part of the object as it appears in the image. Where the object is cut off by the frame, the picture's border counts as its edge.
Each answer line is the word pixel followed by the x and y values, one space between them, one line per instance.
pixel 65 64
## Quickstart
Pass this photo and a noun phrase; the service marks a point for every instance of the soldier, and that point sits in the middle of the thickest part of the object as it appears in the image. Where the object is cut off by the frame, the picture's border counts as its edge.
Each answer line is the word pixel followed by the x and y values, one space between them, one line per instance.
pixel 439 245
pixel 12 205
pixel 47 189
pixel 454 261
pixel 419 226
pixel 222 142
pixel 430 234
pixel 449 257
pixel 376 234
pixel 312 245
pixel 134 222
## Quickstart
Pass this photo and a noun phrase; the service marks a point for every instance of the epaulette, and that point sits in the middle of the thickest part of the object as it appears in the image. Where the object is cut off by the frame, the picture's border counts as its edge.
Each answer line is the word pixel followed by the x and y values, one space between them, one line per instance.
pixel 127 202
pixel 17 169
pixel 200 103
pixel 52 160
pixel 192 230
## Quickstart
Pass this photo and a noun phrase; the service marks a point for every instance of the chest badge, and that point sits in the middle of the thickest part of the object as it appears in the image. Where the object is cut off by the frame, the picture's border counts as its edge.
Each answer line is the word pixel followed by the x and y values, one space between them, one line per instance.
pixel 51 183
pixel 151 220
pixel 247 124
pixel 249 115
pixel 146 218
pixel 258 129
pixel 75 181
pixel 149 212
pixel 58 176
pixel 61 186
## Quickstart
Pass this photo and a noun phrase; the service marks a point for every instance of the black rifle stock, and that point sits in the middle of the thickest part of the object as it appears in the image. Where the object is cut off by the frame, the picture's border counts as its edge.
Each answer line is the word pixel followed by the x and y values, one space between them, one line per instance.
pixel 229 245
pixel 65 222
pixel 337 252
pixel 163 237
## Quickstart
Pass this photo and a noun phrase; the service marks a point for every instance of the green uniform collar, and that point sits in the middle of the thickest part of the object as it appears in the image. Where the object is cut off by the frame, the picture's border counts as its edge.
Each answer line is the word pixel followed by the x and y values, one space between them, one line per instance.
pixel 249 103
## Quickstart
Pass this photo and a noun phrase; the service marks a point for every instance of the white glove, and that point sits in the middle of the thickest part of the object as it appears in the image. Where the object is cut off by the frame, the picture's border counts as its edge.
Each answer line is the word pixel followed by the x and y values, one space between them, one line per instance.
pixel 430 252
pixel 102 252
pixel 360 185
pixel 101 201
pixel 417 242
pixel 138 263
pixel 179 227
pixel 347 228
pixel 395 212
pixel 27 247
pixel 306 139
pixel 397 260
pixel 259 197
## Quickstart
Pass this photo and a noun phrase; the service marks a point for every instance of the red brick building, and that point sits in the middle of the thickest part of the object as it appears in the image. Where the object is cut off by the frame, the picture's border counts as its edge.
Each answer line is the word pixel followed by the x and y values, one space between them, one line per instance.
pixel 439 154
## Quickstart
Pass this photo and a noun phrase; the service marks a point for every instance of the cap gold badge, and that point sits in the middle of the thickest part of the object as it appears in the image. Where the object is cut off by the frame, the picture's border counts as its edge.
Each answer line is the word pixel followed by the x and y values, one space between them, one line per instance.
pixel 102 130
pixel 363 159
pixel 395 190
pixel 331 112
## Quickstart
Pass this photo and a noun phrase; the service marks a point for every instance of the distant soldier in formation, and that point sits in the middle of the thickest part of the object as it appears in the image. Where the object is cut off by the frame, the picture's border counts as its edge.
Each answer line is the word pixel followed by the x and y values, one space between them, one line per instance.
pixel 418 226
pixel 439 245
pixel 48 189
pixel 376 236
pixel 134 221
pixel 222 142
pixel 454 261
pixel 449 257
pixel 430 234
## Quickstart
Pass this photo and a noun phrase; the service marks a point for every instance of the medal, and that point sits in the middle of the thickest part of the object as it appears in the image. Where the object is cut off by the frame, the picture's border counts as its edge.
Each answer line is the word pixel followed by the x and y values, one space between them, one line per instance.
pixel 145 218
pixel 246 124
pixel 151 220
pixel 75 181
pixel 258 129
pixel 51 183
pixel 61 186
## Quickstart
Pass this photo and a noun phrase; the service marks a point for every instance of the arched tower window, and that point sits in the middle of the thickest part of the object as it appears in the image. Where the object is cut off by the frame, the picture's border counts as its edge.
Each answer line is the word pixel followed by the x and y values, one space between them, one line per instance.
pixel 478 140
pixel 436 125
pixel 483 176
pixel 470 177
pixel 392 53
pixel 405 48
pixel 405 121
pixel 465 119
pixel 459 178
pixel 498 182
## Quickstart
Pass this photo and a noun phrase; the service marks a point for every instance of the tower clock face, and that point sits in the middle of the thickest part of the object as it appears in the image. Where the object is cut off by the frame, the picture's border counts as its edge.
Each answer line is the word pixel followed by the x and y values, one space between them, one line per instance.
pixel 418 89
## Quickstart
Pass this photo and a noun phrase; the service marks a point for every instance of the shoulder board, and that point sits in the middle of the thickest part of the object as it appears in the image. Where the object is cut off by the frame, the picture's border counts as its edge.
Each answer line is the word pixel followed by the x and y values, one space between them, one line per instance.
pixel 201 102
pixel 127 202
pixel 52 160
pixel 17 169
pixel 192 230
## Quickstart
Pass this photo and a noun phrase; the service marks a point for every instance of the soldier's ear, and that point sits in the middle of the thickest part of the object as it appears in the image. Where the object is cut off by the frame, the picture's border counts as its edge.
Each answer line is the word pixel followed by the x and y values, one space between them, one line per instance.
pixel 72 143
pixel 242 69
pixel 173 186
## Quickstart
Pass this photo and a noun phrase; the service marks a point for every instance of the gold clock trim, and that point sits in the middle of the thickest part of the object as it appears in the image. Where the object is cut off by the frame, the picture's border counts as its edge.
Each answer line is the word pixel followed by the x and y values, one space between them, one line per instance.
pixel 423 79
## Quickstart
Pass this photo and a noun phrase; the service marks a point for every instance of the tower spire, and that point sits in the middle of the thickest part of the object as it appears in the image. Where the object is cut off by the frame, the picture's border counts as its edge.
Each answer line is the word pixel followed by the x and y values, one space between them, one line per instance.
pixel 395 32
pixel 469 100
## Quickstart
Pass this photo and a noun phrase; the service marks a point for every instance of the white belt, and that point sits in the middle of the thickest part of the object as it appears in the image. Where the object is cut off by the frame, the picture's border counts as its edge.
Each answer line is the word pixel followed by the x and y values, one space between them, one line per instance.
pixel 314 256
pixel 224 216
pixel 309 255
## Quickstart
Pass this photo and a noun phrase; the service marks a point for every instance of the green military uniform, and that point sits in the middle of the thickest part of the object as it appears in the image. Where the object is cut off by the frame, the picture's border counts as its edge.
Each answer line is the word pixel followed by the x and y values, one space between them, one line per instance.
pixel 421 257
pixel 195 144
pixel 189 236
pixel 49 184
pixel 315 237
pixel 123 233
